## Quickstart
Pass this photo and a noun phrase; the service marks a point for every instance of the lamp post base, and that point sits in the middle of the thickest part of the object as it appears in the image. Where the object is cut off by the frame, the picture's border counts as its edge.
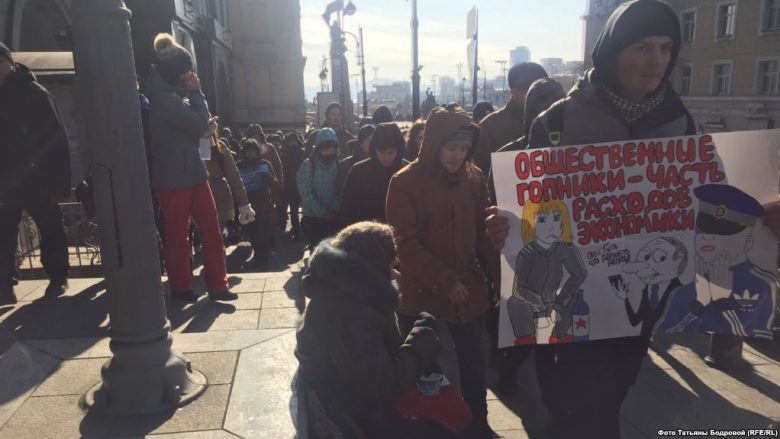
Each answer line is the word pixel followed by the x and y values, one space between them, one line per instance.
pixel 145 379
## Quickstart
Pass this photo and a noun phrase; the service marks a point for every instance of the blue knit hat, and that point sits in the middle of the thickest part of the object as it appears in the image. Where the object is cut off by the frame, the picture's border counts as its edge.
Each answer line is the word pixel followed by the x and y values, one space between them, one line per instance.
pixel 327 135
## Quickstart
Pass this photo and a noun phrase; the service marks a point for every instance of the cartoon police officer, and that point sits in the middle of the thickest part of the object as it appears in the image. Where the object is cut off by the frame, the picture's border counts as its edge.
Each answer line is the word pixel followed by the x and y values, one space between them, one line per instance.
pixel 732 294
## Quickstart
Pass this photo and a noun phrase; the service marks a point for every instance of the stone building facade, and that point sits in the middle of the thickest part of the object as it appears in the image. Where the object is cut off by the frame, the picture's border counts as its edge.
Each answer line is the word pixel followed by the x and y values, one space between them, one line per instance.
pixel 268 63
pixel 729 66
pixel 266 40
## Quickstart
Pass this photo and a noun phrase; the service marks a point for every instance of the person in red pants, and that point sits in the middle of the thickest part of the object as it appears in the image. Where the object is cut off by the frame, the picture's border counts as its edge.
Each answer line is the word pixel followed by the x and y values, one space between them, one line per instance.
pixel 179 176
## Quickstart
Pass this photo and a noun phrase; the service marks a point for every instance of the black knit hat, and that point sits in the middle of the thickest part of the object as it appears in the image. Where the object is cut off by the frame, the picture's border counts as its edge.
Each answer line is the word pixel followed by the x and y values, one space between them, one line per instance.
pixel 365 132
pixel 388 136
pixel 172 60
pixel 6 52
pixel 631 22
pixel 524 74
pixel 481 109
pixel 541 94
pixel 381 115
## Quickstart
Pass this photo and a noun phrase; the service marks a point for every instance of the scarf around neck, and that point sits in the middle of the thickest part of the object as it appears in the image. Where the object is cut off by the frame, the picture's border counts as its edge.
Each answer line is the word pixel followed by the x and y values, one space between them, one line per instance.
pixel 633 111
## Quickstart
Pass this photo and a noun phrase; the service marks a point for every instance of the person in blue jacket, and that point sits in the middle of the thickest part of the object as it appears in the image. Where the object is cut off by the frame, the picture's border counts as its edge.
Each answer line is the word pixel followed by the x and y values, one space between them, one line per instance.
pixel 318 190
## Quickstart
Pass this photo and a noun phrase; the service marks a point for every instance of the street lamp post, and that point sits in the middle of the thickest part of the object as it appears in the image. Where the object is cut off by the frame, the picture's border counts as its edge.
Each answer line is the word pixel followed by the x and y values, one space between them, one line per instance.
pixel 502 63
pixel 484 79
pixel 144 375
pixel 363 72
pixel 460 71
pixel 362 63
pixel 463 91
pixel 415 64
pixel 356 76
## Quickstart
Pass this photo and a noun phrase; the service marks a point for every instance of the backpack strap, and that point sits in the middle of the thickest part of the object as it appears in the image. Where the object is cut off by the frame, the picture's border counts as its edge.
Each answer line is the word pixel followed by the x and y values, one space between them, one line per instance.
pixel 555 123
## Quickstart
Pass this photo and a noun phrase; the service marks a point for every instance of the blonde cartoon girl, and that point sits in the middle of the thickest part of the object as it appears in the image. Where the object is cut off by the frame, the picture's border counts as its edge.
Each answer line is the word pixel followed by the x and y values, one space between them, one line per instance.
pixel 539 268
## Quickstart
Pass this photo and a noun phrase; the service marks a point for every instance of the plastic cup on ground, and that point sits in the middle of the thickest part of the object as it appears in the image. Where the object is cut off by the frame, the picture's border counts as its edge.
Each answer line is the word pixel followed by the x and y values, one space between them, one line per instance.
pixel 429 385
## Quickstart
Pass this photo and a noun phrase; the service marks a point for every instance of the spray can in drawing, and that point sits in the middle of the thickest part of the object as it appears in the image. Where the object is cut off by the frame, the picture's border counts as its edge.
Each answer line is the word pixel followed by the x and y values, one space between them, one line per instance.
pixel 580 319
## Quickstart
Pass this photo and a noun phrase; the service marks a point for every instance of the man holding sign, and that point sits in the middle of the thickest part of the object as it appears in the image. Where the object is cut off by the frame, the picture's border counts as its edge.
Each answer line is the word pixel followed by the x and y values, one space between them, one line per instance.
pixel 621 188
pixel 625 96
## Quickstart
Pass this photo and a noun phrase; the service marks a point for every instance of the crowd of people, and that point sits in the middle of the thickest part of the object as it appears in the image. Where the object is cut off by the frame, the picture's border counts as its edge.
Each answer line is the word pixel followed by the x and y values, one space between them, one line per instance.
pixel 402 225
pixel 447 235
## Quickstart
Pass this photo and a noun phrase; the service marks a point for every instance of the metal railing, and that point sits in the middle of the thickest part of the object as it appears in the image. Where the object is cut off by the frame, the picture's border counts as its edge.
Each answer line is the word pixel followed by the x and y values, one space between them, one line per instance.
pixel 80 233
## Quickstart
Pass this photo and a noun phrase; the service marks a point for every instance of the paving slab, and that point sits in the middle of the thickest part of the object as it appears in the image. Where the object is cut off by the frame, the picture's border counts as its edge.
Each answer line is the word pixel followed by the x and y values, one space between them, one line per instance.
pixel 217 366
pixel 249 286
pixel 656 403
pixel 283 283
pixel 22 369
pixel 756 401
pixel 262 404
pixel 514 434
pixel 221 317
pixel 54 417
pixel 72 377
pixel 210 434
pixel 26 287
pixel 277 299
pixel 278 318
pixel 28 291
pixel 186 342
pixel 500 417
pixel 32 320
pixel 205 413
pixel 248 301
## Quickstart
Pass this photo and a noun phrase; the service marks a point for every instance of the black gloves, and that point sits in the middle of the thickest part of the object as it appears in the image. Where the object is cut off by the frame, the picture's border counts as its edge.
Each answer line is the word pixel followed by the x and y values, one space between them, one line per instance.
pixel 426 320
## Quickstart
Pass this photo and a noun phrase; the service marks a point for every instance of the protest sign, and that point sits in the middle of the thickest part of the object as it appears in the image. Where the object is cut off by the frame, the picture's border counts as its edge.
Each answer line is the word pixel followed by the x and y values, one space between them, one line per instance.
pixel 638 237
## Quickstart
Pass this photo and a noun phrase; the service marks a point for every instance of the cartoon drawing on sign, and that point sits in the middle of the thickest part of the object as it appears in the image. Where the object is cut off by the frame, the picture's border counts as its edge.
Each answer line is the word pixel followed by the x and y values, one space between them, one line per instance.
pixel 539 270
pixel 732 294
pixel 658 266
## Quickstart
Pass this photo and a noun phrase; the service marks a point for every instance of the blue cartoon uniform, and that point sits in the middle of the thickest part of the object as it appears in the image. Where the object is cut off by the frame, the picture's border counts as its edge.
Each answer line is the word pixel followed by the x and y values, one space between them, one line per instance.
pixel 748 310
pixel 683 312
pixel 724 227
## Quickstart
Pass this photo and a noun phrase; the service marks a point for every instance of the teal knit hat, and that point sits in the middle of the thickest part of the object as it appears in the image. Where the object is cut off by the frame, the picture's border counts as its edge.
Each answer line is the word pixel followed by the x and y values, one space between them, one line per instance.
pixel 327 135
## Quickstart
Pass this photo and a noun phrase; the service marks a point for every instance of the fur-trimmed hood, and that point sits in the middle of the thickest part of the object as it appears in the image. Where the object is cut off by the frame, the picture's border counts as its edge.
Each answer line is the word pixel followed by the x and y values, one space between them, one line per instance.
pixel 341 275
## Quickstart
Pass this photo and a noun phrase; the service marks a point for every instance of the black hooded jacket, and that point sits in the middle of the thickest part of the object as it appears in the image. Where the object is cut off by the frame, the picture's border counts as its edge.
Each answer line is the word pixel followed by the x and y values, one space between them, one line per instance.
pixel 587 116
pixel 36 158
pixel 365 189
pixel 631 22
pixel 349 347
pixel 357 156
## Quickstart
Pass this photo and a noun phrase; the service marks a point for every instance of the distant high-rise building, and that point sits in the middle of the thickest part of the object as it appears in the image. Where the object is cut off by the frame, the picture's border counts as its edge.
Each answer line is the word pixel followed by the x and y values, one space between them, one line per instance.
pixel 573 68
pixel 447 92
pixel 519 55
pixel 553 66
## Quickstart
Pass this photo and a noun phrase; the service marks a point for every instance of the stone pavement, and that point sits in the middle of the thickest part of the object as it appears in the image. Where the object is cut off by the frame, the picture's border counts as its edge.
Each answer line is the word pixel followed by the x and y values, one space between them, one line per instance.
pixel 51 352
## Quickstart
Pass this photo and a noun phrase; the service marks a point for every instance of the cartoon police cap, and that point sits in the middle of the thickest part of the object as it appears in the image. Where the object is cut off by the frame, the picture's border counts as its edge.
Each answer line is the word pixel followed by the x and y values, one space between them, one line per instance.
pixel 725 210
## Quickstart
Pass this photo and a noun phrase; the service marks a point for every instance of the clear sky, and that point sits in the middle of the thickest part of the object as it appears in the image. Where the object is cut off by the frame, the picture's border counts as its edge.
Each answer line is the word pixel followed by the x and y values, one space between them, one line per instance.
pixel 549 28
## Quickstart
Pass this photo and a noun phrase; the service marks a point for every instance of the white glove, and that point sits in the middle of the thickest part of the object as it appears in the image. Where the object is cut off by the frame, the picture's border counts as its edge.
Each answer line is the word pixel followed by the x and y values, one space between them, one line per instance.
pixel 246 214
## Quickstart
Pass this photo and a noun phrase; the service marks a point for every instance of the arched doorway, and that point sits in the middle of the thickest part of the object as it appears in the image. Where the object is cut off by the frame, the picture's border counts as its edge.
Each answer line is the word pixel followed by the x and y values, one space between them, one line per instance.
pixel 43 26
